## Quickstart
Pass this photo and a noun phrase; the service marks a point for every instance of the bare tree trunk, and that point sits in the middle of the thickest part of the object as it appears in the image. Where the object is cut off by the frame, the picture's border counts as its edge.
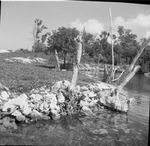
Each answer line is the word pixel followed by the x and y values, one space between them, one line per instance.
pixel 112 45
pixel 105 74
pixel 128 78
pixel 34 35
pixel 65 55
pixel 129 70
pixel 77 62
pixel 57 59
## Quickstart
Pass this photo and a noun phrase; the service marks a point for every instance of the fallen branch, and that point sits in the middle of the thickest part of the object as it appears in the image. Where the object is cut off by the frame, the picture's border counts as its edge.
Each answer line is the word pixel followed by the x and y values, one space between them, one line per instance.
pixel 119 76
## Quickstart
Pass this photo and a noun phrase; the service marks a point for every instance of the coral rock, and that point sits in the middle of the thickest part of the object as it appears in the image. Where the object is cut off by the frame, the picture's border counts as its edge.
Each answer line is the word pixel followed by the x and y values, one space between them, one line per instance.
pixel 92 94
pixel 60 85
pixel 19 116
pixel 4 95
pixel 61 98
pixel 83 88
pixel 36 97
pixel 87 111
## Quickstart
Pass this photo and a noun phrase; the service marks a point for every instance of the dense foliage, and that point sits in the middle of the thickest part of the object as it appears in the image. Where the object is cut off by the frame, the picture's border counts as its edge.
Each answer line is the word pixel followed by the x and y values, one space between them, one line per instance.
pixel 96 49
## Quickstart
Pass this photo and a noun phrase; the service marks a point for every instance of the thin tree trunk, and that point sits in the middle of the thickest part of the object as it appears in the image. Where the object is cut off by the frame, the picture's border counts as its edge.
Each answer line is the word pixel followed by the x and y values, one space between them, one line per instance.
pixel 65 55
pixel 34 35
pixel 128 78
pixel 130 72
pixel 57 59
pixel 112 43
pixel 105 74
pixel 76 64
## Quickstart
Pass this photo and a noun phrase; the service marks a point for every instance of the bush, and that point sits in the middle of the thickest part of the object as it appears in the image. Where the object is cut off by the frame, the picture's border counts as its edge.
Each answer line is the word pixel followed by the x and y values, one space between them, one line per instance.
pixel 86 59
pixel 39 47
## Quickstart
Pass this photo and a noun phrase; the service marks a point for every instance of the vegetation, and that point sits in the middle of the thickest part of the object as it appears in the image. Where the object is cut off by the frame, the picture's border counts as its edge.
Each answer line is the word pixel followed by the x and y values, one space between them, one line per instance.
pixel 95 50
pixel 21 77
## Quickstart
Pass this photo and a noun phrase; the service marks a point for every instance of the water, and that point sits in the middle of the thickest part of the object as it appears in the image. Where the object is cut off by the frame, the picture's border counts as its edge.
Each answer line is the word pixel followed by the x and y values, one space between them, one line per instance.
pixel 107 128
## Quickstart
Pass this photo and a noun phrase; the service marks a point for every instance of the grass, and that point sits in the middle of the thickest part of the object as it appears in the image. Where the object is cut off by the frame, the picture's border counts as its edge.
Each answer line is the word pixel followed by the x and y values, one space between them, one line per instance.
pixel 19 77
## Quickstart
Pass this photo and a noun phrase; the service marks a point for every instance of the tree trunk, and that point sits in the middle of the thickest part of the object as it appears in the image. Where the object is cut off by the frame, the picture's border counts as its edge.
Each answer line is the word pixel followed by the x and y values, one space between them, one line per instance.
pixel 128 78
pixel 65 55
pixel 130 71
pixel 57 59
pixel 105 74
pixel 76 64
pixel 34 36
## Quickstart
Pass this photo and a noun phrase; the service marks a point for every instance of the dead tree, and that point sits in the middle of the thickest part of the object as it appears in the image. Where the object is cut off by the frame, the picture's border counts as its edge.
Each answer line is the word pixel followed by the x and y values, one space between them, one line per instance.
pixel 37 29
pixel 131 70
pixel 57 60
pixel 78 40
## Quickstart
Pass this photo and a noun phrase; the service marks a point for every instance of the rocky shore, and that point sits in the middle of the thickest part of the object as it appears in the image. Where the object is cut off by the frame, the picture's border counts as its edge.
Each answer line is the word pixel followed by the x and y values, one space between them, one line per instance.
pixel 53 102
pixel 100 67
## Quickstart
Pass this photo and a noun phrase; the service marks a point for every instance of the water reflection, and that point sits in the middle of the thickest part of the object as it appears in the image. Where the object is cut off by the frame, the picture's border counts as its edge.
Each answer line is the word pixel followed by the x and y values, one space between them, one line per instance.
pixel 139 84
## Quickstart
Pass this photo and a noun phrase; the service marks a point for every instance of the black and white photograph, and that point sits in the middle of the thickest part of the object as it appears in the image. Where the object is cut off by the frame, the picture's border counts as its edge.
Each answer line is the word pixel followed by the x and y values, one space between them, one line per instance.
pixel 74 73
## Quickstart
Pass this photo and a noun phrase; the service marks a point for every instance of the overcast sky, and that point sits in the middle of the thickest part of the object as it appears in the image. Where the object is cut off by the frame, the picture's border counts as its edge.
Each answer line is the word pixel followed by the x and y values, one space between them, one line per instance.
pixel 17 19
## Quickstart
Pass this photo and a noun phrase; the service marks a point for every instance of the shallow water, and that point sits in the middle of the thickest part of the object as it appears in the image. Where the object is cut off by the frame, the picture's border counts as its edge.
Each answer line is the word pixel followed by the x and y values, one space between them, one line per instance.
pixel 106 128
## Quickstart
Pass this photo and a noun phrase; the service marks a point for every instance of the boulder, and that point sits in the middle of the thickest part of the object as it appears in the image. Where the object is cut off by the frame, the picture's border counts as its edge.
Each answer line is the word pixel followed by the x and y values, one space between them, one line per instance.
pixel 53 98
pixel 35 115
pixel 60 85
pixel 54 106
pixel 60 98
pixel 4 95
pixel 7 123
pixel 55 114
pixel 85 94
pixel 93 103
pixel 19 116
pixel 44 108
pixel 84 103
pixel 91 87
pixel 36 97
pixel 27 110
pixel 92 94
pixel 84 88
pixel 65 84
pixel 14 103
pixel 77 88
pixel 96 89
pixel 87 111
pixel 34 91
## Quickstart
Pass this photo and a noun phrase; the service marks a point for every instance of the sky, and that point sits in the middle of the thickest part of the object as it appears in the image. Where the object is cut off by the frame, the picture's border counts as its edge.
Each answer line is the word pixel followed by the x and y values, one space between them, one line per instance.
pixel 17 19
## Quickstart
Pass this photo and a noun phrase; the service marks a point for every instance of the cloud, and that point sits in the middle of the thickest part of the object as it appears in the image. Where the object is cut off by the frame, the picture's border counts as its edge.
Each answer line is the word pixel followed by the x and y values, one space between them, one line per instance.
pixel 147 34
pixel 92 26
pixel 140 21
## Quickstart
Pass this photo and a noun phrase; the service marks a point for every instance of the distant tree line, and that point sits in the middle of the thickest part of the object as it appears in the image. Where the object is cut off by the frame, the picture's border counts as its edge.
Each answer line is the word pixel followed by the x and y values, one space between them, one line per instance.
pixel 97 50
